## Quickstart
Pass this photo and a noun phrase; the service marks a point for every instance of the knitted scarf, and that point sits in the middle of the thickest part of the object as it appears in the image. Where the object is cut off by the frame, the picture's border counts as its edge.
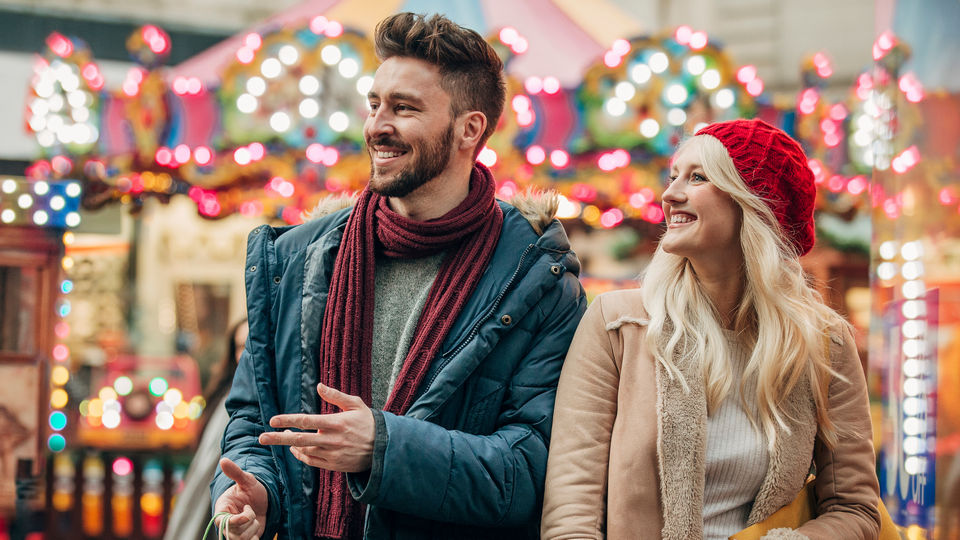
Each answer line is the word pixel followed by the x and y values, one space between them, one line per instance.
pixel 470 231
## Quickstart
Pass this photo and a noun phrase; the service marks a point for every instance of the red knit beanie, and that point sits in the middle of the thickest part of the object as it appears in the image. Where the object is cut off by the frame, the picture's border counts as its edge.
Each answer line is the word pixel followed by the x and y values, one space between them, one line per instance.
pixel 775 168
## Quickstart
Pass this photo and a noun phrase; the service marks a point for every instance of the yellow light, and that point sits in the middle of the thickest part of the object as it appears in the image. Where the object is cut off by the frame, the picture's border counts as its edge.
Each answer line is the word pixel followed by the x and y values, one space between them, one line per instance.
pixel 59 375
pixel 591 214
pixel 182 410
pixel 59 398
pixel 107 393
pixel 62 500
pixel 95 407
pixel 68 238
pixel 67 262
pixel 151 504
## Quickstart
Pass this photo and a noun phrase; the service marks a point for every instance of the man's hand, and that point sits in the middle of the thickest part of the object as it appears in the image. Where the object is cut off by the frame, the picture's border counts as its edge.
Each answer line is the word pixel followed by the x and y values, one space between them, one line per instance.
pixel 246 500
pixel 340 441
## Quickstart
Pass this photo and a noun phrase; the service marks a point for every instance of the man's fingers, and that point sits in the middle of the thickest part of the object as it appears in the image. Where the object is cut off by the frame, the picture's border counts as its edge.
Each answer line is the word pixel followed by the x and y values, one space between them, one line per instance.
pixel 346 402
pixel 300 421
pixel 291 438
pixel 235 473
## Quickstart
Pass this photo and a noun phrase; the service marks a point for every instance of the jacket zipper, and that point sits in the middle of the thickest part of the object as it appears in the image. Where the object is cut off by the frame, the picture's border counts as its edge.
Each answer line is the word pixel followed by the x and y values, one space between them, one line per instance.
pixel 445 359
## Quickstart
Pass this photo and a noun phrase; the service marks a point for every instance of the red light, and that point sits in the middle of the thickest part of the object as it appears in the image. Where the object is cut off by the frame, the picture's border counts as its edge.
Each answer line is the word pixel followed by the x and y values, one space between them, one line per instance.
pixel 584 192
pixel 653 214
pixel 683 34
pixel 831 139
pixel 155 38
pixel 251 208
pixel 90 71
pixel 836 183
pixel 857 185
pixel 318 24
pixel 637 200
pixel 62 330
pixel 292 215
pixel 947 196
pixel 838 112
pixel 60 44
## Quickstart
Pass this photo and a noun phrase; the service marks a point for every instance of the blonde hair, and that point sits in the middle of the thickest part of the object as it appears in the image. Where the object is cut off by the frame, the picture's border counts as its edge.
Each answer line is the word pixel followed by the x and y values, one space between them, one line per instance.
pixel 779 312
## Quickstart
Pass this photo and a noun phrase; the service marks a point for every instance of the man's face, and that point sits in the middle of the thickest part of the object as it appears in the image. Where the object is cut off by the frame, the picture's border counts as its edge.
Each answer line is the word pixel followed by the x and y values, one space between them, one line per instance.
pixel 410 129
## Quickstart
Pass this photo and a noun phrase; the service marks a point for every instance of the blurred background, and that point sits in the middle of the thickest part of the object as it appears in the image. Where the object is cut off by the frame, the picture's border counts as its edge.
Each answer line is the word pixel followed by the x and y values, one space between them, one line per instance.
pixel 141 141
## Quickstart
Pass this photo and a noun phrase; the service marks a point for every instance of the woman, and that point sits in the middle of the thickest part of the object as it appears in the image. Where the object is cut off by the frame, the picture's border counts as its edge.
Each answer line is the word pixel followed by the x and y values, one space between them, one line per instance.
pixel 191 512
pixel 695 406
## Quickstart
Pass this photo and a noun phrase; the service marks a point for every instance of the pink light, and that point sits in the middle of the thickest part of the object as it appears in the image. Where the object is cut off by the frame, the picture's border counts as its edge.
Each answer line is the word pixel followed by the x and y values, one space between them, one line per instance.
pixel 520 46
pixel 136 74
pixel 59 44
pixel 906 160
pixel 251 208
pixel 857 185
pixel 90 71
pixel 683 34
pixel 180 86
pixel 525 118
pixel 333 185
pixel 831 139
pixel 315 152
pixel 620 46
pixel 824 71
pixel 131 88
pixel 533 85
pixel 836 183
pixel 292 215
pixel 621 157
pixel 163 156
pixel 947 196
pixel 611 218
pixel 62 330
pixel 883 45
pixel 194 86
pixel 606 162
pixel 747 73
pixel 330 157
pixel 520 103
pixel 584 192
pixel 156 39
pixel 838 112
pixel 242 155
pixel 698 40
pixel 181 153
pixel 559 159
pixel 195 193
pixel 611 59
pixel 536 155
pixel 551 85
pixel 202 155
pixel 653 214
pixel 318 24
pixel 257 151
pixel 755 87
pixel 508 35
pixel 911 87
pixel 122 466
pixel 334 29
pixel 487 156
pixel 60 352
pixel 209 205
pixel 254 41
pixel 638 200
pixel 507 189
pixel 61 164
pixel 285 189
pixel 817 169
pixel 245 55
pixel 891 209
pixel 827 126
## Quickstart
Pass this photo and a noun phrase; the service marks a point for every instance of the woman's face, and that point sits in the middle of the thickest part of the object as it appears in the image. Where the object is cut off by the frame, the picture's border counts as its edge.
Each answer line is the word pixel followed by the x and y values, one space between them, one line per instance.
pixel 703 222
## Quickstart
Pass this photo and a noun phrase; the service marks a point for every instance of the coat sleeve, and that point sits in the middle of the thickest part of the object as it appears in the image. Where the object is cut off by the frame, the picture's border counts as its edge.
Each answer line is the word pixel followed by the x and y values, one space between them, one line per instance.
pixel 483 480
pixel 576 486
pixel 846 485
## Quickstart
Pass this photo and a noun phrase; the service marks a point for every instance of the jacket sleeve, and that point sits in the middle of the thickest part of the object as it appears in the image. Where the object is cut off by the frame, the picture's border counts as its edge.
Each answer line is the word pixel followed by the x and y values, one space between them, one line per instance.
pixel 846 485
pixel 483 480
pixel 241 446
pixel 576 485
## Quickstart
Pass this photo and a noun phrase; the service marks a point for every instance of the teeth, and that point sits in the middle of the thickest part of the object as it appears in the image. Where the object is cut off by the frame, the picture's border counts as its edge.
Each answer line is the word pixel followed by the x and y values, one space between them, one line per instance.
pixel 388 154
pixel 680 218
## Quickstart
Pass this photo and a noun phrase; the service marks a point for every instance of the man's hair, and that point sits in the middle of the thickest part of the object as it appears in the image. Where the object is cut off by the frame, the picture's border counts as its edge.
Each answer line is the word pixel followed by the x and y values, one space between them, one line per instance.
pixel 470 70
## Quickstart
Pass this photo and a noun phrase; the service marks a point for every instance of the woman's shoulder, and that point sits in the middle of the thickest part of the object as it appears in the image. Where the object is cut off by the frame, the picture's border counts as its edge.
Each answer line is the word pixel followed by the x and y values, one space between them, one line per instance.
pixel 619 307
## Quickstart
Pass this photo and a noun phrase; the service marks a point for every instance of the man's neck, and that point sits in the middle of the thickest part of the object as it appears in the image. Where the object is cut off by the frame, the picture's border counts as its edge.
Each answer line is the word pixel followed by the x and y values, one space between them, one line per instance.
pixel 436 197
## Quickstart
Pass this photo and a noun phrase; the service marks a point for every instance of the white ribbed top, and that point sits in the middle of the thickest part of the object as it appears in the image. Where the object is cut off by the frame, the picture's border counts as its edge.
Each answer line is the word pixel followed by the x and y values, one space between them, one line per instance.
pixel 736 458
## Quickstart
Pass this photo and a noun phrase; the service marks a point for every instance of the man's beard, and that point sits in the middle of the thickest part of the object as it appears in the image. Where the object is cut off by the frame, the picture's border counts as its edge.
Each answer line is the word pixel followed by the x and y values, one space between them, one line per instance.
pixel 432 158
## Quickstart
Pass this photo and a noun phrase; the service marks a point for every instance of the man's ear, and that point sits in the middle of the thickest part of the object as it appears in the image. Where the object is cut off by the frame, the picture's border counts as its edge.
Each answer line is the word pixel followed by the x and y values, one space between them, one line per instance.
pixel 474 124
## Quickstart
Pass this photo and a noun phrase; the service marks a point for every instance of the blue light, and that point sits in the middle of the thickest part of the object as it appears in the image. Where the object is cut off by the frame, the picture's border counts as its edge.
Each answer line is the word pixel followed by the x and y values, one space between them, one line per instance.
pixel 58 420
pixel 64 308
pixel 66 286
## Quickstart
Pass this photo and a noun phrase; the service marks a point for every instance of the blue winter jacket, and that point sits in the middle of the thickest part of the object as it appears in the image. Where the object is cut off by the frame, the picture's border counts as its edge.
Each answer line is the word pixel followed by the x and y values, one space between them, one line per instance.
pixel 468 458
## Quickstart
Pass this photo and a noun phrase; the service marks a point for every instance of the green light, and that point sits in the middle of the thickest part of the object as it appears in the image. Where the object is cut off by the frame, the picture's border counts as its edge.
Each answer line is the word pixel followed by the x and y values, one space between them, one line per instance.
pixel 158 385
pixel 56 442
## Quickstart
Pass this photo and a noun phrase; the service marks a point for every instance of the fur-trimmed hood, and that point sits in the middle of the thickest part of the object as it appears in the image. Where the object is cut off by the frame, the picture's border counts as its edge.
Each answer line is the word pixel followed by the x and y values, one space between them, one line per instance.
pixel 538 207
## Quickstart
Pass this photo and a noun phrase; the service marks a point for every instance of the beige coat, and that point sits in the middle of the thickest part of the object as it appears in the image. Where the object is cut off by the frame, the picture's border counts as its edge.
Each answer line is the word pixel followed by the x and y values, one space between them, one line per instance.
pixel 627 451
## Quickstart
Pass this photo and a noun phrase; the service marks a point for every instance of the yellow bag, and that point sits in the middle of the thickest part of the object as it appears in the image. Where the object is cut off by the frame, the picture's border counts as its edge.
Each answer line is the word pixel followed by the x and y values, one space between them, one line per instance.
pixel 803 509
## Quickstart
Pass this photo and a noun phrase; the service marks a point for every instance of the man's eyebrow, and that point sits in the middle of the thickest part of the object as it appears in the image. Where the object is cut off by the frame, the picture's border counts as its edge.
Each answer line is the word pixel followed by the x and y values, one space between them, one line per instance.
pixel 398 96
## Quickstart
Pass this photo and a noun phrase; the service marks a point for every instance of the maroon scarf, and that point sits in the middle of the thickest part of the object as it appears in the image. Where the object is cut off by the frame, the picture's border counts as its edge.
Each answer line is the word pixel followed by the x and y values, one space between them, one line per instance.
pixel 470 231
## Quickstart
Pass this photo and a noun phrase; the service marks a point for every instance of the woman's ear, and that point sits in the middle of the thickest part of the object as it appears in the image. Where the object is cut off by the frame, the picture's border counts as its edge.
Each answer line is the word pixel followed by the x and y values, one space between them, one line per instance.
pixel 474 125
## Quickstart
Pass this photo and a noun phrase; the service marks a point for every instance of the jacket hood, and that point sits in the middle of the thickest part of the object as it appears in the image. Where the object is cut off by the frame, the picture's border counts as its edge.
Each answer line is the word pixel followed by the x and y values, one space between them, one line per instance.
pixel 537 206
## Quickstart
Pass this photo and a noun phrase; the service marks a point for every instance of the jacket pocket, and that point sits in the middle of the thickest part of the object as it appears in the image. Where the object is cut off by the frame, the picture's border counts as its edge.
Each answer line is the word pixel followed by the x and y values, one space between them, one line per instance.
pixel 483 407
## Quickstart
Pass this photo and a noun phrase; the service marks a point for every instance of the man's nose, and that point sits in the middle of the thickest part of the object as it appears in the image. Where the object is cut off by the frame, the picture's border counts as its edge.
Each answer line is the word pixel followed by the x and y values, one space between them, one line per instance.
pixel 379 123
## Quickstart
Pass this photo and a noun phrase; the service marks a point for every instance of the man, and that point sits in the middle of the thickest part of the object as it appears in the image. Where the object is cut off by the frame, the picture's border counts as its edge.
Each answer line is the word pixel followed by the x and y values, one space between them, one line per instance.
pixel 434 319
